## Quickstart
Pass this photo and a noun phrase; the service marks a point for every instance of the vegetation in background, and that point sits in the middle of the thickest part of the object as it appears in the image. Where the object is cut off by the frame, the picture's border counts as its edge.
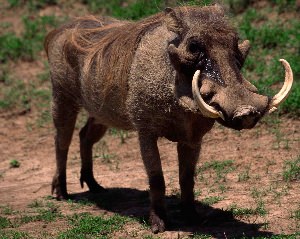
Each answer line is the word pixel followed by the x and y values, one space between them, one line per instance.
pixel 29 43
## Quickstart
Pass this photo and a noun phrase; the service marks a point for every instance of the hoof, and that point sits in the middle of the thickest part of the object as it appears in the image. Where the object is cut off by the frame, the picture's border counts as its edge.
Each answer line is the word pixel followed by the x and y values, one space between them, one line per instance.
pixel 92 184
pixel 60 194
pixel 157 223
pixel 59 189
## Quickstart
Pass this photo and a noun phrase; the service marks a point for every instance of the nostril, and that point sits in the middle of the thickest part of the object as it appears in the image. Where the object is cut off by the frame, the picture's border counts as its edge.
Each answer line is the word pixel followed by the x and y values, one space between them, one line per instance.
pixel 246 119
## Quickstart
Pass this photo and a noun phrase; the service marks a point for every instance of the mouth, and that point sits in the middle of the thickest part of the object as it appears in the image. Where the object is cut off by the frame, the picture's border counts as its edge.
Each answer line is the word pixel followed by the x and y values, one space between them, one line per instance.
pixel 239 124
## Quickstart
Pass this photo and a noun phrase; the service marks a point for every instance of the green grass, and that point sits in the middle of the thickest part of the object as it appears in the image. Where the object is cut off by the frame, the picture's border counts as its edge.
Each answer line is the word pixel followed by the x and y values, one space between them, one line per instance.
pixel 11 47
pixel 4 222
pixel 77 225
pixel 15 95
pixel 6 210
pixel 246 212
pixel 292 170
pixel 88 226
pixel 221 168
pixel 211 200
pixel 30 42
pixel 44 215
pixel 12 234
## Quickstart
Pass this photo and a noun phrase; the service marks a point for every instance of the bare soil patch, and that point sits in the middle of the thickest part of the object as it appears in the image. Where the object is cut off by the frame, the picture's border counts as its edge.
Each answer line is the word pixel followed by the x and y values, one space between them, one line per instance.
pixel 255 176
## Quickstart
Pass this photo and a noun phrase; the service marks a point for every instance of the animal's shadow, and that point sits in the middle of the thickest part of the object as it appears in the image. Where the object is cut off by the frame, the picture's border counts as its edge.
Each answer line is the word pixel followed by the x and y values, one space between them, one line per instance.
pixel 135 203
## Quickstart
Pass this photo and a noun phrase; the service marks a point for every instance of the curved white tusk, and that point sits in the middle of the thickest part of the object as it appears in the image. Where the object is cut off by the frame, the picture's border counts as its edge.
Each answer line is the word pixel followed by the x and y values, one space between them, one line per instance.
pixel 204 108
pixel 286 88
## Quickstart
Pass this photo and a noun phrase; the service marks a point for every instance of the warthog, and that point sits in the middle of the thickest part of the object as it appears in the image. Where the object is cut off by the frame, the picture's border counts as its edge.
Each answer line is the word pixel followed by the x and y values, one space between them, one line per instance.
pixel 170 75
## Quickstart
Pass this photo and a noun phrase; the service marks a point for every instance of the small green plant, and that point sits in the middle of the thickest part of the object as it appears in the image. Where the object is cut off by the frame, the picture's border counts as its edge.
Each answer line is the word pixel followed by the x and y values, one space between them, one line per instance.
pixel 296 214
pixel 223 188
pixel 239 211
pixel 256 193
pixel 123 134
pixel 211 200
pixel 4 222
pixel 291 170
pixel 260 208
pixel 36 204
pixel 7 210
pixel 14 163
pixel 244 176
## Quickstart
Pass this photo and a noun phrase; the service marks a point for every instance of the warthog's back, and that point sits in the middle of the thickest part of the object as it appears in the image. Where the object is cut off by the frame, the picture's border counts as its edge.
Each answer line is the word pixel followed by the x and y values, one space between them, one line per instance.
pixel 90 60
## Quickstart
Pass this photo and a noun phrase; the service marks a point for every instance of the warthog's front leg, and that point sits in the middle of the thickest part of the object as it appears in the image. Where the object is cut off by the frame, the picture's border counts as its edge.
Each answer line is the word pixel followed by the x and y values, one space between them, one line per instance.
pixel 188 156
pixel 89 135
pixel 151 159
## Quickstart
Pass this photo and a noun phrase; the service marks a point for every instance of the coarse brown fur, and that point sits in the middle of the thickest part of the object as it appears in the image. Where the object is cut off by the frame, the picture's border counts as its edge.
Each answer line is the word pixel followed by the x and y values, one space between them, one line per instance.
pixel 103 43
pixel 137 76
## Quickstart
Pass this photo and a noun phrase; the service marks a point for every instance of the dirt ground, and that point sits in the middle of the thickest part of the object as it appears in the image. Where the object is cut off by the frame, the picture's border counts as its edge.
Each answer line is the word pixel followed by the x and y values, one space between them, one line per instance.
pixel 261 153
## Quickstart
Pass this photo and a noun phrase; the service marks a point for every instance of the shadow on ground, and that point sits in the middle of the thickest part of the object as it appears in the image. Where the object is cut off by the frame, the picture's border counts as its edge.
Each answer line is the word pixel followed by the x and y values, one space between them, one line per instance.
pixel 135 203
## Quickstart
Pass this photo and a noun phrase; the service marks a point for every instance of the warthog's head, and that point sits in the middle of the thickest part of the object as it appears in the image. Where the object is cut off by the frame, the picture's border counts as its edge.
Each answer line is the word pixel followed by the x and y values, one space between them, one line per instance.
pixel 208 59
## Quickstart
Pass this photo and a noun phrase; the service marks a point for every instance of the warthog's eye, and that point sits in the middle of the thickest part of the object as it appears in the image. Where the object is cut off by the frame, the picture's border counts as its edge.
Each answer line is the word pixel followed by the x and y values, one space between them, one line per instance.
pixel 207 97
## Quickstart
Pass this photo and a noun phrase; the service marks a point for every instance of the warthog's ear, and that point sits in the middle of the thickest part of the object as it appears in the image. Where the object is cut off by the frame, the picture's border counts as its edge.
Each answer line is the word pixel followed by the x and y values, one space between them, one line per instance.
pixel 244 48
pixel 219 9
pixel 173 20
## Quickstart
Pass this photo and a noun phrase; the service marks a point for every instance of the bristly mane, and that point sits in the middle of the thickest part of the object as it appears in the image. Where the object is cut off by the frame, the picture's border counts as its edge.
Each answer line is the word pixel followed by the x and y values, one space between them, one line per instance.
pixel 105 47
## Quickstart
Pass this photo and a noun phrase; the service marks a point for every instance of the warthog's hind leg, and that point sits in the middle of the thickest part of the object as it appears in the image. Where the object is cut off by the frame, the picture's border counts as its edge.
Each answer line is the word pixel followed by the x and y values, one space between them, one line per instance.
pixel 151 159
pixel 188 156
pixel 64 112
pixel 89 135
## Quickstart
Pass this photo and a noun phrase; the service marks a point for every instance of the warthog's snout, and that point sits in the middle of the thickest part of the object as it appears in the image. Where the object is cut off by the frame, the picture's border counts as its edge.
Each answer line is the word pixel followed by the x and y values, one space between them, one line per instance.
pixel 238 106
pixel 245 117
